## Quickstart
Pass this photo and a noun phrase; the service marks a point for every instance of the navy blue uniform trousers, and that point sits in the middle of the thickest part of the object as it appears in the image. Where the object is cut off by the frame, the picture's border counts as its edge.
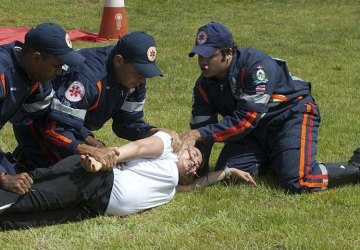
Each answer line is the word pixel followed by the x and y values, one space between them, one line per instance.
pixel 62 193
pixel 286 145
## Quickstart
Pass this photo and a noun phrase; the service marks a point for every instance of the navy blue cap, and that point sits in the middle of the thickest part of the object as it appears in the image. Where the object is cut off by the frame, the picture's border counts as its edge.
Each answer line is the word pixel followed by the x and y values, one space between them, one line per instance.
pixel 52 39
pixel 139 49
pixel 211 37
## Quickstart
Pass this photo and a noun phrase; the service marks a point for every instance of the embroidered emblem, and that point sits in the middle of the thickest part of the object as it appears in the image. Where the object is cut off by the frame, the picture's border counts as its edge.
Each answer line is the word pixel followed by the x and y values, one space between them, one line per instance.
pixel 75 92
pixel 68 40
pixel 201 37
pixel 260 76
pixel 151 53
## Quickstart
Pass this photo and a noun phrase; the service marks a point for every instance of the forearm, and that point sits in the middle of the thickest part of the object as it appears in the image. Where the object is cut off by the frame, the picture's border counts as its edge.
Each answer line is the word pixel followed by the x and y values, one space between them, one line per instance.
pixel 213 177
pixel 92 141
pixel 240 125
pixel 83 149
pixel 204 181
pixel 62 141
pixel 151 147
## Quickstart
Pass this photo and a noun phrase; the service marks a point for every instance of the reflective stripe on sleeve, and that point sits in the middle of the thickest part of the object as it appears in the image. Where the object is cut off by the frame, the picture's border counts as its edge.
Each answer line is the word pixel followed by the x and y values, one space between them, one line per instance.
pixel 133 106
pixel 259 99
pixel 57 105
pixel 199 119
pixel 296 78
pixel 39 105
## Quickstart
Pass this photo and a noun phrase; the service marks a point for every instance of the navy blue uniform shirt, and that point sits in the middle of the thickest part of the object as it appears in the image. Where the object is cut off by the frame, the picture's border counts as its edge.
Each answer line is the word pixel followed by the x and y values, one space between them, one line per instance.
pixel 87 96
pixel 20 97
pixel 256 86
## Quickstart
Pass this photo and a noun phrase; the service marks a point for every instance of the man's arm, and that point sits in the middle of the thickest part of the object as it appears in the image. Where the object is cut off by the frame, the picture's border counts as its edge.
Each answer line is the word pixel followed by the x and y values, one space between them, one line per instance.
pixel 151 147
pixel 216 176
pixel 175 138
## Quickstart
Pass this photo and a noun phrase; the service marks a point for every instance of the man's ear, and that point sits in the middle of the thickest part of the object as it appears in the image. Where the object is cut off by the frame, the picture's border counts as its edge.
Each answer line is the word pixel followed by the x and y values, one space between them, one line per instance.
pixel 119 60
pixel 36 56
pixel 229 53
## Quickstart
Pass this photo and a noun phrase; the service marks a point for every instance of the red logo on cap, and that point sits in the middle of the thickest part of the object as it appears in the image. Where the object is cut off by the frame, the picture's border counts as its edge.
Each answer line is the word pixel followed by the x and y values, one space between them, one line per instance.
pixel 68 40
pixel 151 53
pixel 201 37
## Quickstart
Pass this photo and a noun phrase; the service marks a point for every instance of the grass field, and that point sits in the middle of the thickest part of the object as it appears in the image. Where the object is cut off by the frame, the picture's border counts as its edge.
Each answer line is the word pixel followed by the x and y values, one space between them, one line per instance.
pixel 320 40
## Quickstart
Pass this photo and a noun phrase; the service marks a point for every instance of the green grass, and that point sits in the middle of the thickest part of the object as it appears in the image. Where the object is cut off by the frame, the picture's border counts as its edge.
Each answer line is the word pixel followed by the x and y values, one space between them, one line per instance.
pixel 320 40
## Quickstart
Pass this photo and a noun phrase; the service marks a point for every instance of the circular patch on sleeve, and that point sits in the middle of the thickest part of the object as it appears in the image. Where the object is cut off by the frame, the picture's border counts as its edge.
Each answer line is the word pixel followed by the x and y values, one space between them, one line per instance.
pixel 75 92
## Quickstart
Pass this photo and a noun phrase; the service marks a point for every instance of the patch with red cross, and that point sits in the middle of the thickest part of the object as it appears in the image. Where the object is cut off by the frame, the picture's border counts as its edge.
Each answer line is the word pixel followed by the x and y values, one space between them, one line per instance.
pixel 151 53
pixel 201 37
pixel 75 92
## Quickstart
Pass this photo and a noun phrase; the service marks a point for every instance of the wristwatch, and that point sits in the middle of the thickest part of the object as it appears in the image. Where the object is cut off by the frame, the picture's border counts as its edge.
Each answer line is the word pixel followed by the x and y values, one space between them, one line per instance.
pixel 227 173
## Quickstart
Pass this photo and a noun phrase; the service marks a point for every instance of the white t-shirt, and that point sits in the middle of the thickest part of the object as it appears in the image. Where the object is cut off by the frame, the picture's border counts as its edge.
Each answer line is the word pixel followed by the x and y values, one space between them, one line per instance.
pixel 144 183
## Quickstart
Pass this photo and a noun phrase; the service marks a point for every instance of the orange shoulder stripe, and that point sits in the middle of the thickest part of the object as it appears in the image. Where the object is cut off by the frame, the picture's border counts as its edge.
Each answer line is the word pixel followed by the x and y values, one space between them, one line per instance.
pixel 34 88
pixel 94 106
pixel 203 94
pixel 280 97
pixel 237 129
pixel 3 83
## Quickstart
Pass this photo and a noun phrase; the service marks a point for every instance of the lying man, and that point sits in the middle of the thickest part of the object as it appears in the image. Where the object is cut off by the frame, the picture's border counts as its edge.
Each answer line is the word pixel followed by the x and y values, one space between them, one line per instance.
pixel 147 177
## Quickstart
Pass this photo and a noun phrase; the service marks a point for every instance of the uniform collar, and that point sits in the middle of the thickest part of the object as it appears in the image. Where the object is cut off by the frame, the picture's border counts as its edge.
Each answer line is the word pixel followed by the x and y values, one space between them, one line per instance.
pixel 234 68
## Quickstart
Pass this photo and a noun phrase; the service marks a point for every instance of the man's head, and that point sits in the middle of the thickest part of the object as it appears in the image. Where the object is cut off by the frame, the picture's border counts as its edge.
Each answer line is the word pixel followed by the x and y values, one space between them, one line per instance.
pixel 134 60
pixel 215 47
pixel 50 38
pixel 211 37
pixel 189 160
pixel 46 48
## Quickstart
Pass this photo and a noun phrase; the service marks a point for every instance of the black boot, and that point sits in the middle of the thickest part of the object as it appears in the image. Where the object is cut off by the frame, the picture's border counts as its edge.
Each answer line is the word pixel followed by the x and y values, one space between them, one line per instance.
pixel 355 159
pixel 342 173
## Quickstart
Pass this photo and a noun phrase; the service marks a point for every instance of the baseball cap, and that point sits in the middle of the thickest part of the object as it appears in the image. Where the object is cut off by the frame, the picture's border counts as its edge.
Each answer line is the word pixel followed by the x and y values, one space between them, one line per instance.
pixel 139 49
pixel 211 37
pixel 53 39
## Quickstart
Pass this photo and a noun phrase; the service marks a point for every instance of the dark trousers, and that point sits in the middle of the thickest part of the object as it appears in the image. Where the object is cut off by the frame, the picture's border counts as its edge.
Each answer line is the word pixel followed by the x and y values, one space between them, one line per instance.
pixel 286 145
pixel 62 193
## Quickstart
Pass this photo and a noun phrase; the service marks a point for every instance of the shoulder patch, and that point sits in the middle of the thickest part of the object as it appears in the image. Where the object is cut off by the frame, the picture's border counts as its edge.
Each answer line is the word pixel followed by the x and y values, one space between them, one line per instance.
pixel 260 76
pixel 75 92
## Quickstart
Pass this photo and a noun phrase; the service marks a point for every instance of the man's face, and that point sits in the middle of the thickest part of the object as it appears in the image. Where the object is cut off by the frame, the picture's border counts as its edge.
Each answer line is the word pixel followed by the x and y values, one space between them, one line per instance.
pixel 189 161
pixel 126 74
pixel 45 68
pixel 215 66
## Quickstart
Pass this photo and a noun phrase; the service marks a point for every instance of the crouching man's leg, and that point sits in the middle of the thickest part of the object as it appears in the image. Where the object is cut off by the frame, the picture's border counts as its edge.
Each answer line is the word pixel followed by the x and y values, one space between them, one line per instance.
pixel 298 171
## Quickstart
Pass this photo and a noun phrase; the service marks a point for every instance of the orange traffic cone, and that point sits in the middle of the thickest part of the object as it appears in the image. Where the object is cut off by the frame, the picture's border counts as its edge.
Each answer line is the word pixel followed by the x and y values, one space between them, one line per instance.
pixel 113 22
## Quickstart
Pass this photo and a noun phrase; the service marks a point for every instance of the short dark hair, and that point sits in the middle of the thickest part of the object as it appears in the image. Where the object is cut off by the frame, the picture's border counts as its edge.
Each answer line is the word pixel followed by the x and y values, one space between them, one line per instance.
pixel 44 55
pixel 223 50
